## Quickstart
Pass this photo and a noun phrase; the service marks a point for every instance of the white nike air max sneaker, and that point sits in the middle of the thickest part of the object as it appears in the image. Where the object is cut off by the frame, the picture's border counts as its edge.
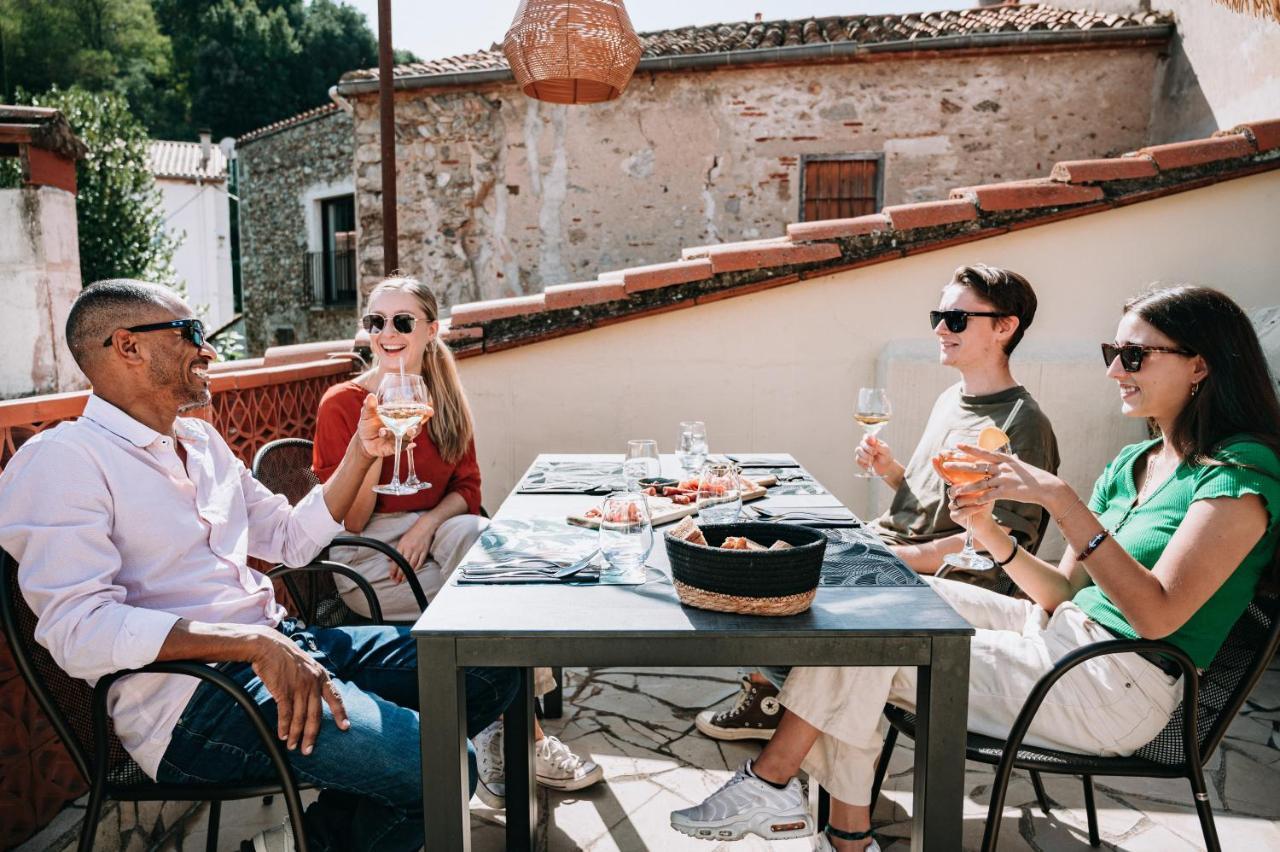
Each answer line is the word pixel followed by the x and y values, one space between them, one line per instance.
pixel 747 805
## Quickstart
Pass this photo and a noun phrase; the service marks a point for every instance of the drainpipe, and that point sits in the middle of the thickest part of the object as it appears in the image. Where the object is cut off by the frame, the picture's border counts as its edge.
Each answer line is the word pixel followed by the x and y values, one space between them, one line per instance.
pixel 387 129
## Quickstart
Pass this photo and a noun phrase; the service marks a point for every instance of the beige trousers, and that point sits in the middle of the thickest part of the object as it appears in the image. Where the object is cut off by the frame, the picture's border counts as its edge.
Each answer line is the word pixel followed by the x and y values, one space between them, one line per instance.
pixel 1111 705
pixel 450 545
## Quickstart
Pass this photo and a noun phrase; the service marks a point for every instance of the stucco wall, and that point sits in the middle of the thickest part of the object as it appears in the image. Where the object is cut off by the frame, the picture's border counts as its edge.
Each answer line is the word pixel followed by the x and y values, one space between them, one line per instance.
pixel 283 177
pixel 501 195
pixel 778 370
pixel 199 216
pixel 39 279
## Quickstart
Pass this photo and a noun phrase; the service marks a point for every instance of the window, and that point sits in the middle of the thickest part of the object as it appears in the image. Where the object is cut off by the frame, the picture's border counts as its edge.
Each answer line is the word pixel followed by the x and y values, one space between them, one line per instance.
pixel 840 186
pixel 331 272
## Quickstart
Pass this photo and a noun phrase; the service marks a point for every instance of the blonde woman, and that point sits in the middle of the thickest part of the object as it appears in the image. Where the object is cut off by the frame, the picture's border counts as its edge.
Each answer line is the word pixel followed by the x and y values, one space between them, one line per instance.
pixel 434 528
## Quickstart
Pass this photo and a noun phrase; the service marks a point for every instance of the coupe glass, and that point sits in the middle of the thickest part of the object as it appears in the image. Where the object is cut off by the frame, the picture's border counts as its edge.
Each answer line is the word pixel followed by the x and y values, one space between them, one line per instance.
pixel 719 493
pixel 403 403
pixel 872 412
pixel 640 462
pixel 691 451
pixel 626 535
pixel 968 557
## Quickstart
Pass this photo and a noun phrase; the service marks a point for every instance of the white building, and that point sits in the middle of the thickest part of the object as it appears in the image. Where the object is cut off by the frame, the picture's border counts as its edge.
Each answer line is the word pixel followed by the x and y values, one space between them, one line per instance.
pixel 192 177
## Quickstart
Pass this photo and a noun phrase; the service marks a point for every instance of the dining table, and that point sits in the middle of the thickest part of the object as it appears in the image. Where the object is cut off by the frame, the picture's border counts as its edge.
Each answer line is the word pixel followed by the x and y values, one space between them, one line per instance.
pixel 870 610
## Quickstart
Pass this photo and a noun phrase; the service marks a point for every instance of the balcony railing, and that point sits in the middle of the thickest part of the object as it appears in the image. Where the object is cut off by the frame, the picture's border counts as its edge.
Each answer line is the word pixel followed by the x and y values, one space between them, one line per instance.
pixel 330 277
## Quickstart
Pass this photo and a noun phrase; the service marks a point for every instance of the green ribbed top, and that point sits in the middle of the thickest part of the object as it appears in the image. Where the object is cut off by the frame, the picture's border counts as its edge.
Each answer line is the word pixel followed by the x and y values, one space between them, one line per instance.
pixel 1144 531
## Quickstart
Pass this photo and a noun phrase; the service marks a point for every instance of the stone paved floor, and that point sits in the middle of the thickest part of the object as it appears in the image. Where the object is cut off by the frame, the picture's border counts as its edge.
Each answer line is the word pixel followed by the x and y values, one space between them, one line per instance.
pixel 638 724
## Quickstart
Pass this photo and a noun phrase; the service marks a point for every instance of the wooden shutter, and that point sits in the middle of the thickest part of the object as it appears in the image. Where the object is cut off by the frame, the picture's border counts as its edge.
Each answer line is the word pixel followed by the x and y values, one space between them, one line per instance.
pixel 839 189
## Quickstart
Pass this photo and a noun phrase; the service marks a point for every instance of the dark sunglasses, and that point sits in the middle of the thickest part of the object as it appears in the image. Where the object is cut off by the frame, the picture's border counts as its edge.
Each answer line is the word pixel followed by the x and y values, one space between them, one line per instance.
pixel 375 323
pixel 958 321
pixel 1131 354
pixel 192 329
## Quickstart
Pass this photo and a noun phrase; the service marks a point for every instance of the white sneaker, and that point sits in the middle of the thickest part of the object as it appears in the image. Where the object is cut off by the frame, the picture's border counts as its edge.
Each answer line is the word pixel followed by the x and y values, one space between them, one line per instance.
pixel 277 839
pixel 824 844
pixel 492 788
pixel 747 805
pixel 559 768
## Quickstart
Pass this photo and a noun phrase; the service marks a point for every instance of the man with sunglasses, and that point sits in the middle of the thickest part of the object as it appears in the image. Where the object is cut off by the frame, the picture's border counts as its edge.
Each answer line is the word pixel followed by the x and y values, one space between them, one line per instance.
pixel 132 527
pixel 982 315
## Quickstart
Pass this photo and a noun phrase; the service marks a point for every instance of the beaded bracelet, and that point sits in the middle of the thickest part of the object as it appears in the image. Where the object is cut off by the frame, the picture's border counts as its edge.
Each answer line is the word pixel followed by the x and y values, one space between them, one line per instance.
pixel 1093 544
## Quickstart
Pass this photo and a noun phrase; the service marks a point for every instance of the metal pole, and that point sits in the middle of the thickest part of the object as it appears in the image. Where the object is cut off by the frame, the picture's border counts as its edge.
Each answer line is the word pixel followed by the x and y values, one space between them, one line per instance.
pixel 387 115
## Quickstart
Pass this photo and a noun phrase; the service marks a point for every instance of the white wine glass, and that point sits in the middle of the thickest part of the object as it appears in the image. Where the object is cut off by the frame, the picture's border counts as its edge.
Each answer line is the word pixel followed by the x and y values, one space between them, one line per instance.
pixel 403 403
pixel 719 493
pixel 872 413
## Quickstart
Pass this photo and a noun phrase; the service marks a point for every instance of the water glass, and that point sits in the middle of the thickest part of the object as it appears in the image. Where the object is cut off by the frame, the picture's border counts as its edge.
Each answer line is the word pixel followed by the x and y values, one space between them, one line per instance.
pixel 719 493
pixel 626 535
pixel 691 451
pixel 640 462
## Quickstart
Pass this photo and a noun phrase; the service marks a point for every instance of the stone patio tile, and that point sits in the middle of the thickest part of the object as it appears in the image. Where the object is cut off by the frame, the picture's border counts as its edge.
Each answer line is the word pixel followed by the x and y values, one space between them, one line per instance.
pixel 1252 787
pixel 1235 832
pixel 1157 838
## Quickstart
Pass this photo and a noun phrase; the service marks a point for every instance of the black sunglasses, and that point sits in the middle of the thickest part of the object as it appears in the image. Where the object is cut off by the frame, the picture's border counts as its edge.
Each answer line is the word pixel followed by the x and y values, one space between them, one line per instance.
pixel 1131 354
pixel 192 329
pixel 375 323
pixel 958 321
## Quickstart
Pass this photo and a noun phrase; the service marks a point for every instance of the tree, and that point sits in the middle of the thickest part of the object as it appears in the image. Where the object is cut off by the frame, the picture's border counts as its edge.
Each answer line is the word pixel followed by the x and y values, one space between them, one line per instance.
pixel 118 208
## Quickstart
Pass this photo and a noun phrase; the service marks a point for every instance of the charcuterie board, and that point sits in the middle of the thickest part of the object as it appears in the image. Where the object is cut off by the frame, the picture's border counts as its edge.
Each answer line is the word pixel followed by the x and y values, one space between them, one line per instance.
pixel 665 509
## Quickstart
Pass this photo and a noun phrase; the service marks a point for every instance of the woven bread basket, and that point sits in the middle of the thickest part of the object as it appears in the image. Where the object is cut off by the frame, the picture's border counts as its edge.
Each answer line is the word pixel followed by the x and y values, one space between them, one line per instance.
pixel 755 582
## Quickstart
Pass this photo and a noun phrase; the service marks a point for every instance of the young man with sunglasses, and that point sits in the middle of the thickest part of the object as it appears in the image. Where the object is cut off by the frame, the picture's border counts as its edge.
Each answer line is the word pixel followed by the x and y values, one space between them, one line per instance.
pixel 982 315
pixel 132 527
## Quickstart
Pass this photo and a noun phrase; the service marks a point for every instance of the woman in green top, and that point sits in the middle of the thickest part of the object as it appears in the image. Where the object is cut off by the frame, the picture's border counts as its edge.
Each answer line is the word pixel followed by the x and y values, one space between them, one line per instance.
pixel 1172 544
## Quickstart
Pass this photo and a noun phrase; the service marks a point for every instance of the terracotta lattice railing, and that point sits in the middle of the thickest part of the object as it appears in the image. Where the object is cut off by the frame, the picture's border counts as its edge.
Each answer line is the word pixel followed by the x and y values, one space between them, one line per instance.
pixel 250 408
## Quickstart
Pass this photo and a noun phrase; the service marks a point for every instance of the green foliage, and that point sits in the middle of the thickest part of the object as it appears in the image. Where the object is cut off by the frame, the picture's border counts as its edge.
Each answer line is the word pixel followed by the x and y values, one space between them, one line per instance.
pixel 118 209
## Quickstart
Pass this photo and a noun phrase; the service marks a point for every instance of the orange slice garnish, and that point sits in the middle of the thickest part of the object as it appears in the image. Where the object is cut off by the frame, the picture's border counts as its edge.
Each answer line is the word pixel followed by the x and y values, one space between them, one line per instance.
pixel 992 439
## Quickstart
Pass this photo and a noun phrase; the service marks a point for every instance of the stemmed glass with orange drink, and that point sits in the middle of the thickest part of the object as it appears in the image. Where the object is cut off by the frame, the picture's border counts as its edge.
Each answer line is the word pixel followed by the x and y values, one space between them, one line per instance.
pixel 992 439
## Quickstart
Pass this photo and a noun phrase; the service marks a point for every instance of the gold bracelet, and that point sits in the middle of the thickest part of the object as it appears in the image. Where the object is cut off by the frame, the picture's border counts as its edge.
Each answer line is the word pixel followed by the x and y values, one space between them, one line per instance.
pixel 1067 513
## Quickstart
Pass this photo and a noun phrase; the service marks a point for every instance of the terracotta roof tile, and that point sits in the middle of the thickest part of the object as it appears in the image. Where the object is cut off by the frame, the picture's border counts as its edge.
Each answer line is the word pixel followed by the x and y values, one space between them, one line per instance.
pixel 1096 171
pixel 182 161
pixel 812 249
pixel 1197 152
pixel 1266 134
pixel 929 214
pixel 834 228
pixel 1025 195
pixel 562 296
pixel 641 278
pixel 739 36
pixel 286 123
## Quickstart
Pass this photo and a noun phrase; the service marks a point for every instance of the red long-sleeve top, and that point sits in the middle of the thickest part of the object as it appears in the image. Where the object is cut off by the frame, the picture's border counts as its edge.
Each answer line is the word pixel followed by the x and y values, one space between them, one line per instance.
pixel 336 423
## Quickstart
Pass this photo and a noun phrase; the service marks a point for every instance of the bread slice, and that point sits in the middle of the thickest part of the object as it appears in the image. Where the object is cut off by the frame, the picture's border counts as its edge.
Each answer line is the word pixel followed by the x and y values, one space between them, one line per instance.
pixel 779 545
pixel 689 531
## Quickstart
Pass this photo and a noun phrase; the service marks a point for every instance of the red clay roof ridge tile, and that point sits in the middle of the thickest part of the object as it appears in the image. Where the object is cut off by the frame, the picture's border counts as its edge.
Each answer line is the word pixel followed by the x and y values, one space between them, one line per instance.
pixel 1026 195
pixel 836 228
pixel 930 214
pixel 474 313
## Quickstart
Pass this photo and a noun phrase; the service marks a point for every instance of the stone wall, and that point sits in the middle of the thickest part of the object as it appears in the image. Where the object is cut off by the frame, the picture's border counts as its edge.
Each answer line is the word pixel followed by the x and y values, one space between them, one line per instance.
pixel 283 176
pixel 39 279
pixel 501 195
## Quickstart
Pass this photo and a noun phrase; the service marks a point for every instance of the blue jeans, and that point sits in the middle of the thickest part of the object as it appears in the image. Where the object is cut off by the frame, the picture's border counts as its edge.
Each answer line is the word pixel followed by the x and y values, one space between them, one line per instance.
pixel 370 775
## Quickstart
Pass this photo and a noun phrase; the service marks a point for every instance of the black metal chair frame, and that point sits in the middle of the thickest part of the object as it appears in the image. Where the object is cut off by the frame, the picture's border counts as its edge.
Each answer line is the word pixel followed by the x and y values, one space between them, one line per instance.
pixel 552 702
pixel 121 779
pixel 1184 729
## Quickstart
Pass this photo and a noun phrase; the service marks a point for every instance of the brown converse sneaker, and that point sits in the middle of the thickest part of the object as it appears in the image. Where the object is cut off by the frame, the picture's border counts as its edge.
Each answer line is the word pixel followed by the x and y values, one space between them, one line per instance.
pixel 754 717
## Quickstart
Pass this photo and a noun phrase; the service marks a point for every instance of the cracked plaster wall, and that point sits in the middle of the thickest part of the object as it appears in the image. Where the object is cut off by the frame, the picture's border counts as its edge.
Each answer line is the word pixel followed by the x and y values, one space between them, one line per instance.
pixel 500 195
pixel 40 271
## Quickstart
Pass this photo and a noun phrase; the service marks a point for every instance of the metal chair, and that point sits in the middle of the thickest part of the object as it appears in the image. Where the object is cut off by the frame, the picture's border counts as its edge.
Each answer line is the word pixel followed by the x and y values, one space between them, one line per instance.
pixel 79 716
pixel 284 466
pixel 1210 702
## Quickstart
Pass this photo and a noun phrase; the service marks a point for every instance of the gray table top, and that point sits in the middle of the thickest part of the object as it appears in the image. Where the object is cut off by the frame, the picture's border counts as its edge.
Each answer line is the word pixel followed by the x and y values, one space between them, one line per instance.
pixel 653 611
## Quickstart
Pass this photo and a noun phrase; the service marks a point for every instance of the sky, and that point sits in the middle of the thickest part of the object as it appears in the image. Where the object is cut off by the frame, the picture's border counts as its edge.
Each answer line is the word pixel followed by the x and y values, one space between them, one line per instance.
pixel 420 26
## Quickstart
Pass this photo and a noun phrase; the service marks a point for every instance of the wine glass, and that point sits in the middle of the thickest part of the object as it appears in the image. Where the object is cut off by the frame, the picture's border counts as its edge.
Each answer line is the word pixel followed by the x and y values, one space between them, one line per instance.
pixel 626 536
pixel 873 412
pixel 412 481
pixel 403 403
pixel 719 493
pixel 691 451
pixel 640 462
pixel 968 557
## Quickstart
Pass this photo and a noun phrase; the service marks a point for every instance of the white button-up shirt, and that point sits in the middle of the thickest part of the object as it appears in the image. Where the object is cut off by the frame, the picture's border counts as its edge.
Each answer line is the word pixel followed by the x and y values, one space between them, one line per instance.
pixel 116 541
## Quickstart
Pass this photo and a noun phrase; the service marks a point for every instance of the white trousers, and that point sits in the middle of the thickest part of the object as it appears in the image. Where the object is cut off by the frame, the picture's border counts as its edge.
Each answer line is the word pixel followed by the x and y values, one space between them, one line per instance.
pixel 1111 705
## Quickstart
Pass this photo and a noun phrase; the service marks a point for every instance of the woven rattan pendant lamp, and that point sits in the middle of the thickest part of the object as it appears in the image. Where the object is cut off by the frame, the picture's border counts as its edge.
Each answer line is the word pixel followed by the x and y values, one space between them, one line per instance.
pixel 572 51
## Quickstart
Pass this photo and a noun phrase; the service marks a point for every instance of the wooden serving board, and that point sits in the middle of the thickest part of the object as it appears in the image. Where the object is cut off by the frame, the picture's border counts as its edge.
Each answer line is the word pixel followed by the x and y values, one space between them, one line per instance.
pixel 662 510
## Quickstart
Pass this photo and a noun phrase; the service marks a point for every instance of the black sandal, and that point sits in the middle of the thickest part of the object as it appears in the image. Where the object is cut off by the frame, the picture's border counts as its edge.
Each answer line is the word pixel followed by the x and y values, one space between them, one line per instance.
pixel 838 834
